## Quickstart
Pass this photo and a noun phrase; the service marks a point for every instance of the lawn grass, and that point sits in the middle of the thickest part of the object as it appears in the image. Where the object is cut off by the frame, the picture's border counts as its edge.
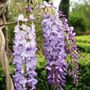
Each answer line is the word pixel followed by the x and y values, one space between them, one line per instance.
pixel 84 38
pixel 83 43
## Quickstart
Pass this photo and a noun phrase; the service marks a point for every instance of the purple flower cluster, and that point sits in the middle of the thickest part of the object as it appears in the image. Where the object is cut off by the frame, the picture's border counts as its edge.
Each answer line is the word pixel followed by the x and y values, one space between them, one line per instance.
pixel 73 51
pixel 28 9
pixel 59 42
pixel 71 47
pixel 74 54
pixel 25 57
pixel 54 51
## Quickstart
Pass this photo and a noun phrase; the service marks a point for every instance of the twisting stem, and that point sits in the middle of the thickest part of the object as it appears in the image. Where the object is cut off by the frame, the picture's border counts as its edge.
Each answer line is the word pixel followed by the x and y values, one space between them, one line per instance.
pixel 5 24
pixel 4 20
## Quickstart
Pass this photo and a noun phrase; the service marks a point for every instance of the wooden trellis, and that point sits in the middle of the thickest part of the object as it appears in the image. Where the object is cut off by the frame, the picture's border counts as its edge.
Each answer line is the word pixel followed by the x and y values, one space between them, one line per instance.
pixel 3 56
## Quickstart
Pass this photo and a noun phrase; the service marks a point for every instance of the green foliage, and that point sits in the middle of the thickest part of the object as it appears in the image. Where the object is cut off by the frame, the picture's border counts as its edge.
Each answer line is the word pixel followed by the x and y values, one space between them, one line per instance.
pixel 84 39
pixel 83 43
pixel 78 22
pixel 41 61
pixel 2 79
pixel 42 75
pixel 10 36
pixel 80 18
pixel 84 73
pixel 84 46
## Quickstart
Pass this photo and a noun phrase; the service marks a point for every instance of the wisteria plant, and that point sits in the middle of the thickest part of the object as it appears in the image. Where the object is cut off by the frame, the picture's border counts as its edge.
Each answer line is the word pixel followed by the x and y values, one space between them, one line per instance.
pixel 59 43
pixel 24 56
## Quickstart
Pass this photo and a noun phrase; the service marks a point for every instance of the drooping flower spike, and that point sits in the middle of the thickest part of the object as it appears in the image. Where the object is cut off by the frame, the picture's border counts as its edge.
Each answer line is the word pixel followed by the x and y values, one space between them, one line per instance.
pixel 58 41
pixel 24 56
pixel 71 47
pixel 54 51
pixel 53 26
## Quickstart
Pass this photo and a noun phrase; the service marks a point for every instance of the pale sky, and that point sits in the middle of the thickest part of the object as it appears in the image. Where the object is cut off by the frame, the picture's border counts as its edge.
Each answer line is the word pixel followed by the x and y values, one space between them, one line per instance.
pixel 57 2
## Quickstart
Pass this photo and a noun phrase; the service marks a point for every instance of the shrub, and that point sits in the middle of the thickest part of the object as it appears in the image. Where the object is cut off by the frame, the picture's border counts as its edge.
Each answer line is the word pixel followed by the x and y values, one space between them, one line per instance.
pixel 83 43
pixel 83 39
pixel 84 74
pixel 78 22
pixel 84 46
pixel 42 75
pixel 80 18
pixel 2 79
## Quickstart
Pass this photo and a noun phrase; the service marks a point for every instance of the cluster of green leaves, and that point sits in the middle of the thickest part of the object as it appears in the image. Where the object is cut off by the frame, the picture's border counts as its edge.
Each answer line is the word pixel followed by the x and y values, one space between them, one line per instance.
pixel 84 46
pixel 80 18
pixel 78 22
pixel 2 79
pixel 84 74
pixel 83 43
pixel 42 75
pixel 84 38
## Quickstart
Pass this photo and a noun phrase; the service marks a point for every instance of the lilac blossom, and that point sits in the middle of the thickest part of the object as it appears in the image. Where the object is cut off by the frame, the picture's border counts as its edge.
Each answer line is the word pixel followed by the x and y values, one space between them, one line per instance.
pixel 25 57
pixel 46 5
pixel 73 53
pixel 31 17
pixel 54 51
pixel 31 59
pixel 28 9
pixel 71 47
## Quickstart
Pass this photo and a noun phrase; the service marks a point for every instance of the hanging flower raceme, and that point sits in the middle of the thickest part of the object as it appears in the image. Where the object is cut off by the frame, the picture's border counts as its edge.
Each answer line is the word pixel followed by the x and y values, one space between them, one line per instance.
pixel 71 47
pixel 24 56
pixel 59 42
pixel 74 54
pixel 55 51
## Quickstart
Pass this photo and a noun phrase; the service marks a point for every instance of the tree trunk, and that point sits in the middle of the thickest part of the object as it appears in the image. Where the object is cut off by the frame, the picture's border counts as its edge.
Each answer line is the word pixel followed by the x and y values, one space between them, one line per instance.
pixel 46 0
pixel 64 7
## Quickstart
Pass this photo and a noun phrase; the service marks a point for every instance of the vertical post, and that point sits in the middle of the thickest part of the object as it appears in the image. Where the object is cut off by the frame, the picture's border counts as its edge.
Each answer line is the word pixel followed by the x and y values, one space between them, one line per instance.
pixel 47 0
